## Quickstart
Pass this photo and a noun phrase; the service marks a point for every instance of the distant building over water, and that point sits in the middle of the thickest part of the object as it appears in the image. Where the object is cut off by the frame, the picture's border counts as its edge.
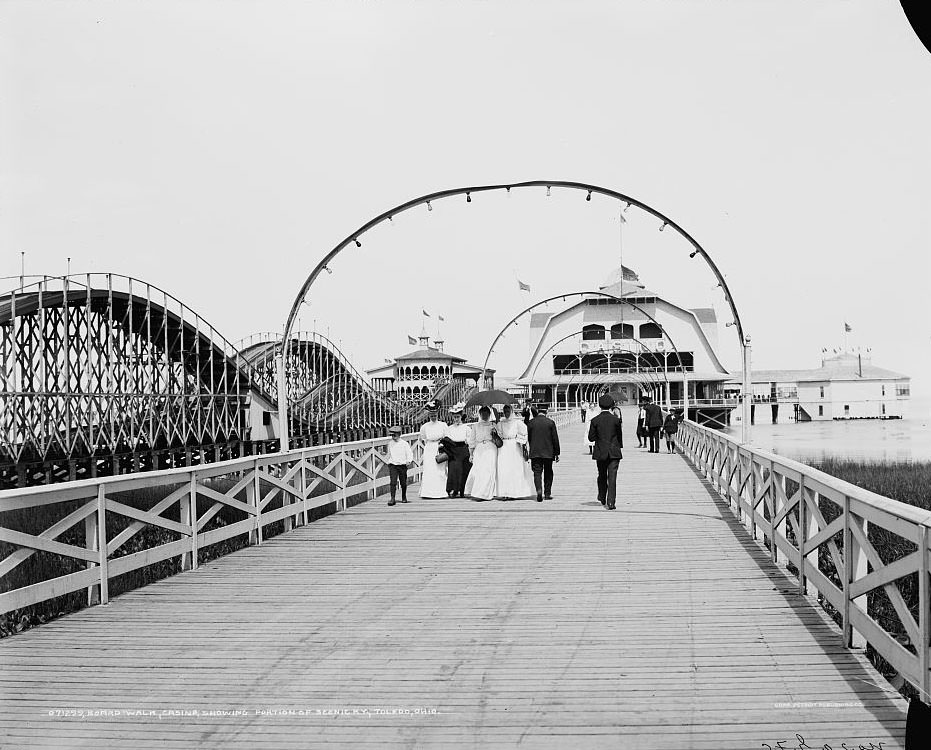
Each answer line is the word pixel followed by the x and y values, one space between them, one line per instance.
pixel 846 386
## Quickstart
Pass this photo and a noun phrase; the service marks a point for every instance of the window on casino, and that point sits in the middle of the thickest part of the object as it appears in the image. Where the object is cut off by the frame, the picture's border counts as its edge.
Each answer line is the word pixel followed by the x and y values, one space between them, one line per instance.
pixel 593 333
pixel 622 331
pixel 902 389
pixel 650 331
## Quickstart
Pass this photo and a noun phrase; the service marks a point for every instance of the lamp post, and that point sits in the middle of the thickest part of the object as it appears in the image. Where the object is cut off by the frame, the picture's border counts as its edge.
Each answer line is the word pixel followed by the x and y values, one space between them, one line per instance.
pixel 747 394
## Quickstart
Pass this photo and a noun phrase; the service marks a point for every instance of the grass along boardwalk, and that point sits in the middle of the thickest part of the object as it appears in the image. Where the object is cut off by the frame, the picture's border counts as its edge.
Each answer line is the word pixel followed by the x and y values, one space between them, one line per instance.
pixel 453 623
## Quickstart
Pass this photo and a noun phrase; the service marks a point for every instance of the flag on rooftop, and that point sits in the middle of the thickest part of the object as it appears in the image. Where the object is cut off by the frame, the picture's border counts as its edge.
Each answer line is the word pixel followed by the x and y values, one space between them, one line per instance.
pixel 522 286
pixel 411 340
pixel 440 317
pixel 847 328
pixel 425 314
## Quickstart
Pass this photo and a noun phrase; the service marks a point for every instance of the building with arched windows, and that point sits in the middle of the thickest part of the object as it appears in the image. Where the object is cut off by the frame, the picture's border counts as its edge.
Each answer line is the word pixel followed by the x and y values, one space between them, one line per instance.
pixel 419 374
pixel 657 348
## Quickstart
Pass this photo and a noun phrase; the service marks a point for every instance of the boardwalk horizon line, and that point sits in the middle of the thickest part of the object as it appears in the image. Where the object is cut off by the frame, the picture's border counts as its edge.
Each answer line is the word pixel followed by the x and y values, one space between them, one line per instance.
pixel 455 623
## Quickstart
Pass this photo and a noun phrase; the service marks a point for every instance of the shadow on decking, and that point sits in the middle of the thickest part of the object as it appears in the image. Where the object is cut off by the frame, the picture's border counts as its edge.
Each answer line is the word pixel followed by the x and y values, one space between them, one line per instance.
pixel 855 672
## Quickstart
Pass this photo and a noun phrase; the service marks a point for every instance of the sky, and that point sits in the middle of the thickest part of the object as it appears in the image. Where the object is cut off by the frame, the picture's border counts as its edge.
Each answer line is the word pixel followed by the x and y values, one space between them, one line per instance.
pixel 220 149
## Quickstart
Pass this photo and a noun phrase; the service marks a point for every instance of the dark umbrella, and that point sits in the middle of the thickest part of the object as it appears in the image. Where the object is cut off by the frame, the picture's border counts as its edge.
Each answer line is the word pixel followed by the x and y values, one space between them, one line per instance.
pixel 487 398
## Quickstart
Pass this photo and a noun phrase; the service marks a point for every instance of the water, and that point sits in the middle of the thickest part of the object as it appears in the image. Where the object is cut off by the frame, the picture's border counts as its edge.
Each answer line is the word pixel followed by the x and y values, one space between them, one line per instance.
pixel 864 440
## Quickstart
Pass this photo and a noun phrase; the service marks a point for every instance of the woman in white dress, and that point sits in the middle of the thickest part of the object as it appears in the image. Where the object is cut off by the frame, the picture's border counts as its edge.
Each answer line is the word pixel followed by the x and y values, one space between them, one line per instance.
pixel 513 468
pixel 484 456
pixel 433 480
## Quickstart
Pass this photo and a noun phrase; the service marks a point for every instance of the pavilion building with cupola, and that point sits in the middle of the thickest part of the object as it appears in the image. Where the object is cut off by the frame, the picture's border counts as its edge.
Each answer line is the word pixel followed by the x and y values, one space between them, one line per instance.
pixel 636 344
pixel 426 372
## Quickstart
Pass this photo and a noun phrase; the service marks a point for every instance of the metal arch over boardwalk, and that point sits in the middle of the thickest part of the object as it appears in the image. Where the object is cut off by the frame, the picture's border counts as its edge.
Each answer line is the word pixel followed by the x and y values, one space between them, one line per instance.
pixel 451 623
pixel 354 239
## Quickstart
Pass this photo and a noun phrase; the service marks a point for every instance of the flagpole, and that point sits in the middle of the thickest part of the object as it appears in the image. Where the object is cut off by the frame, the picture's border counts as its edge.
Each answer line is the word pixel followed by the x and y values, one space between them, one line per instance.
pixel 620 252
pixel 620 244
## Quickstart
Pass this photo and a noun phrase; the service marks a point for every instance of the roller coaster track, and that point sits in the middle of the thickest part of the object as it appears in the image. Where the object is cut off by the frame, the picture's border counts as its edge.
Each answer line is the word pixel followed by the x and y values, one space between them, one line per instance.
pixel 325 391
pixel 104 373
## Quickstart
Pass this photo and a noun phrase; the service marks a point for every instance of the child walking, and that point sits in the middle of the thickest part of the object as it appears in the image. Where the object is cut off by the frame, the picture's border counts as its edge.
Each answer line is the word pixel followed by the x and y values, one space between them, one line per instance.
pixel 400 456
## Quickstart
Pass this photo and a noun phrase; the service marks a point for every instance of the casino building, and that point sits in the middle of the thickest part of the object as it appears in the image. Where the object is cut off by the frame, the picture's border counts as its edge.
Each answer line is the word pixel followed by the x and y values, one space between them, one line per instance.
pixel 651 347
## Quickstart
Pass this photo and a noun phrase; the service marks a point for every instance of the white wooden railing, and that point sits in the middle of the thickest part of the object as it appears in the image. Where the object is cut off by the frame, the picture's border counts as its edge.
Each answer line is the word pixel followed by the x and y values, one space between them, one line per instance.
pixel 565 417
pixel 783 501
pixel 263 489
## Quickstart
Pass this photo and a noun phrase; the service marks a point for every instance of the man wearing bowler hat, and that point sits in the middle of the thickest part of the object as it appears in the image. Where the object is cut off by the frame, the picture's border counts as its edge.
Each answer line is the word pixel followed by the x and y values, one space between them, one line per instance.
pixel 544 452
pixel 654 423
pixel 605 432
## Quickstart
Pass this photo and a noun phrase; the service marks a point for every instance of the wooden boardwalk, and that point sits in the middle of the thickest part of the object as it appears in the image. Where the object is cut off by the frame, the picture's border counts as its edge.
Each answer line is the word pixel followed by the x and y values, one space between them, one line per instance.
pixel 452 623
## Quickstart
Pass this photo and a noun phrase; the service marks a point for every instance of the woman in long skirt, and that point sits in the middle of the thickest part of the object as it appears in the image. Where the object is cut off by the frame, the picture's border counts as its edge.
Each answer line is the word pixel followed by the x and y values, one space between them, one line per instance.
pixel 433 480
pixel 671 427
pixel 458 466
pixel 642 431
pixel 512 479
pixel 484 455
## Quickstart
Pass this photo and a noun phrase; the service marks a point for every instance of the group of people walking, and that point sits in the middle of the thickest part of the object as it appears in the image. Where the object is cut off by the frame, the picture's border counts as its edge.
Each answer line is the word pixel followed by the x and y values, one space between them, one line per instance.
pixel 508 458
pixel 512 456
pixel 651 421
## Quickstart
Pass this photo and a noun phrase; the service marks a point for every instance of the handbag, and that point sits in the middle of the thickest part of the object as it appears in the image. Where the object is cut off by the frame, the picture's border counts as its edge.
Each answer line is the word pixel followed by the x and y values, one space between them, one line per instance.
pixel 526 452
pixel 441 458
pixel 496 439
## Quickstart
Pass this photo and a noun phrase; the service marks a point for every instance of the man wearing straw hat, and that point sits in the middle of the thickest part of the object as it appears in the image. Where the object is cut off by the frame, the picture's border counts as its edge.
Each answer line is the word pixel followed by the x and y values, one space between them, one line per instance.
pixel 400 456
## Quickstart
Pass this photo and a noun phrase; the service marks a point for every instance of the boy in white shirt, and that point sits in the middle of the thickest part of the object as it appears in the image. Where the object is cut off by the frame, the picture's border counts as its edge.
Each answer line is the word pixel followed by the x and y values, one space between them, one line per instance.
pixel 400 456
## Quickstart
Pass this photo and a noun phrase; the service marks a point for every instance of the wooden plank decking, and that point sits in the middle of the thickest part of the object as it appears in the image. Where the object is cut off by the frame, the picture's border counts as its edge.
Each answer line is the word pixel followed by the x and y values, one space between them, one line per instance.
pixel 452 623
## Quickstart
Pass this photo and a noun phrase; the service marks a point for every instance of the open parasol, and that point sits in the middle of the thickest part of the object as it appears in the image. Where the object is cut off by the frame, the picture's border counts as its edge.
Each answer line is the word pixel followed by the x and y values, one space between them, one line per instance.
pixel 487 398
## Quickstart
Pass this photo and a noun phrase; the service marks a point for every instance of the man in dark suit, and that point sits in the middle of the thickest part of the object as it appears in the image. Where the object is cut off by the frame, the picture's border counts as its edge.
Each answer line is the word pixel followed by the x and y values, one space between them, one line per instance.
pixel 654 423
pixel 605 432
pixel 544 452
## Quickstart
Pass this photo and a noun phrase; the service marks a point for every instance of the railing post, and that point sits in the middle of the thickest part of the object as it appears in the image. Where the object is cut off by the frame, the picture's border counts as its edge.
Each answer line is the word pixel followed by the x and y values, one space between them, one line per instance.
pixel 285 497
pixel 803 535
pixel 778 556
pixel 374 464
pixel 91 544
pixel 254 496
pixel 855 568
pixel 342 478
pixel 812 529
pixel 102 544
pixel 302 485
pixel 846 627
pixel 189 517
pixel 924 612
pixel 749 492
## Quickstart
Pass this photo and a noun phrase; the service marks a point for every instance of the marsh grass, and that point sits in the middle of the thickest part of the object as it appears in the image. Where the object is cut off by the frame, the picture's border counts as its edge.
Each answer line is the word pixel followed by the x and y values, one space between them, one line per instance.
pixel 908 483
